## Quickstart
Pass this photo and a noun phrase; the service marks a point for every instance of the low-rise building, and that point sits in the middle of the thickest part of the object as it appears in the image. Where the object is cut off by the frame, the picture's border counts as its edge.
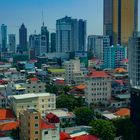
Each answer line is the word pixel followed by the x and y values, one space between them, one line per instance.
pixel 40 101
pixel 67 119
pixel 98 87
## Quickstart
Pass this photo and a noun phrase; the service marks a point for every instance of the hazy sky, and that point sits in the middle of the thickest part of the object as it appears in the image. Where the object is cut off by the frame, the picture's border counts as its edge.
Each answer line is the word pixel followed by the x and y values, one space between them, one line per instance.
pixel 14 12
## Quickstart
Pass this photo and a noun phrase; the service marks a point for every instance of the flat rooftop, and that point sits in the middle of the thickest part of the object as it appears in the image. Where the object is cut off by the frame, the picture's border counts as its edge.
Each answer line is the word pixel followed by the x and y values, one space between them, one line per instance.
pixel 30 95
pixel 61 113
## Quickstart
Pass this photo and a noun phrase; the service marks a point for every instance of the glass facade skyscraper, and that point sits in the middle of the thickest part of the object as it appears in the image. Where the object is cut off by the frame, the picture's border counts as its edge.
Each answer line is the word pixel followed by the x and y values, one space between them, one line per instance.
pixel 120 20
pixel 22 39
pixel 70 35
pixel 3 38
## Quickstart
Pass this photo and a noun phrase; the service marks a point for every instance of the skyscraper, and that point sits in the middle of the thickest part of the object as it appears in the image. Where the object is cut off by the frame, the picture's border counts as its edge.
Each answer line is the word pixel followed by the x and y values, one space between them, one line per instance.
pixel 45 35
pixel 23 39
pixel 70 35
pixel 53 42
pixel 134 76
pixel 12 42
pixel 4 38
pixel 120 20
pixel 81 35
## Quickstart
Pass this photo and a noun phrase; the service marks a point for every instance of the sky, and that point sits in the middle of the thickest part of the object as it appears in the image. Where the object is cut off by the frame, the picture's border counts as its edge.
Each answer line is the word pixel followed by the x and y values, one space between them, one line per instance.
pixel 14 12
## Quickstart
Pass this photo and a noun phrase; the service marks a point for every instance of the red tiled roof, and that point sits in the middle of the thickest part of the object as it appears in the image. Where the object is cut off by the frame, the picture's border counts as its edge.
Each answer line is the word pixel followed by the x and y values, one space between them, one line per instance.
pixel 6 114
pixel 80 87
pixel 86 137
pixel 33 79
pixel 8 126
pixel 96 74
pixel 123 112
pixel 60 82
pixel 44 125
pixel 52 118
pixel 64 136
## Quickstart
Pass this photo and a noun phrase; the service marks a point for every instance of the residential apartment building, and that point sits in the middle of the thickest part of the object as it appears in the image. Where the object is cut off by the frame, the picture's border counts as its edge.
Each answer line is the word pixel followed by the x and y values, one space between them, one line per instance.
pixel 113 55
pixel 73 73
pixel 34 85
pixel 30 125
pixel 98 87
pixel 33 127
pixel 40 101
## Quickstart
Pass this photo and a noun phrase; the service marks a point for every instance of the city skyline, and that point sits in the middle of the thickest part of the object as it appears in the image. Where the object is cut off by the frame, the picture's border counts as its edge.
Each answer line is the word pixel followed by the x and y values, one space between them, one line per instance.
pixel 30 12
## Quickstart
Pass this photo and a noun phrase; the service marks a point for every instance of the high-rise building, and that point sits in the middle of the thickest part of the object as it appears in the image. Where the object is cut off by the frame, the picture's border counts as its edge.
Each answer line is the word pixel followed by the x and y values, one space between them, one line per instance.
pixel 45 37
pixel 96 45
pixel 53 42
pixel 12 42
pixel 134 76
pixel 23 39
pixel 81 35
pixel 70 35
pixel 113 55
pixel 120 20
pixel 38 44
pixel 3 38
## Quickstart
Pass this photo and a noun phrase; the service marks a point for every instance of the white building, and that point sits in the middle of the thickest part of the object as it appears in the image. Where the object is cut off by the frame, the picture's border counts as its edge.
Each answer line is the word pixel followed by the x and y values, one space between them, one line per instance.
pixel 41 102
pixel 73 73
pixel 98 87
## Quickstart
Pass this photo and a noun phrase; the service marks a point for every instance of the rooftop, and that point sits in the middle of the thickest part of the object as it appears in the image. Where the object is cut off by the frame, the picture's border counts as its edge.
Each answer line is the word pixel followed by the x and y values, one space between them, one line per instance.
pixel 123 112
pixel 97 74
pixel 6 114
pixel 8 126
pixel 44 125
pixel 56 70
pixel 31 95
pixel 61 113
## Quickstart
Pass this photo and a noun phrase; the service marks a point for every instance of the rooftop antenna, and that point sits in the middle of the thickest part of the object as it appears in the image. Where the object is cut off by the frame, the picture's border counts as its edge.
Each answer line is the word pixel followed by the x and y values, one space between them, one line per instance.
pixel 42 18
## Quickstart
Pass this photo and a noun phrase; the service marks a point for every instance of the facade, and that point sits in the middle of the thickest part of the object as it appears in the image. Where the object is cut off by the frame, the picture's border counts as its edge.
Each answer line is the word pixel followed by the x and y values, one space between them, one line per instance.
pixel 134 75
pixel 30 125
pixel 70 35
pixel 12 42
pixel 98 87
pixel 40 101
pixel 34 85
pixel 3 38
pixel 45 38
pixel 22 39
pixel 73 73
pixel 113 55
pixel 38 43
pixel 53 42
pixel 120 20
pixel 96 45
pixel 33 127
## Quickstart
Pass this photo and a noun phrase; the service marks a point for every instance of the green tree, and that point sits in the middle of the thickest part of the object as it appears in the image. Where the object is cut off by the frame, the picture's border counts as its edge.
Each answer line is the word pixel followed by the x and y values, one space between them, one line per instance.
pixel 125 128
pixel 84 115
pixel 66 101
pixel 104 129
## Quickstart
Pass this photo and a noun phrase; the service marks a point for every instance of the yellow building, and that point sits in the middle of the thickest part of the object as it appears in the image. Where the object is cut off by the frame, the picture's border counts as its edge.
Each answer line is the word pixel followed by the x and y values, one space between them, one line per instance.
pixel 120 20
pixel 30 125
pixel 39 101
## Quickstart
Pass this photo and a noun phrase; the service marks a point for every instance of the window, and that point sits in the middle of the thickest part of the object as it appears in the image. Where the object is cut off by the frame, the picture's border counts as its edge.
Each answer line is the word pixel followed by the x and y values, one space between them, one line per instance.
pixel 36 132
pixel 46 132
pixel 36 117
pixel 36 138
pixel 36 125
pixel 42 106
pixel 42 100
